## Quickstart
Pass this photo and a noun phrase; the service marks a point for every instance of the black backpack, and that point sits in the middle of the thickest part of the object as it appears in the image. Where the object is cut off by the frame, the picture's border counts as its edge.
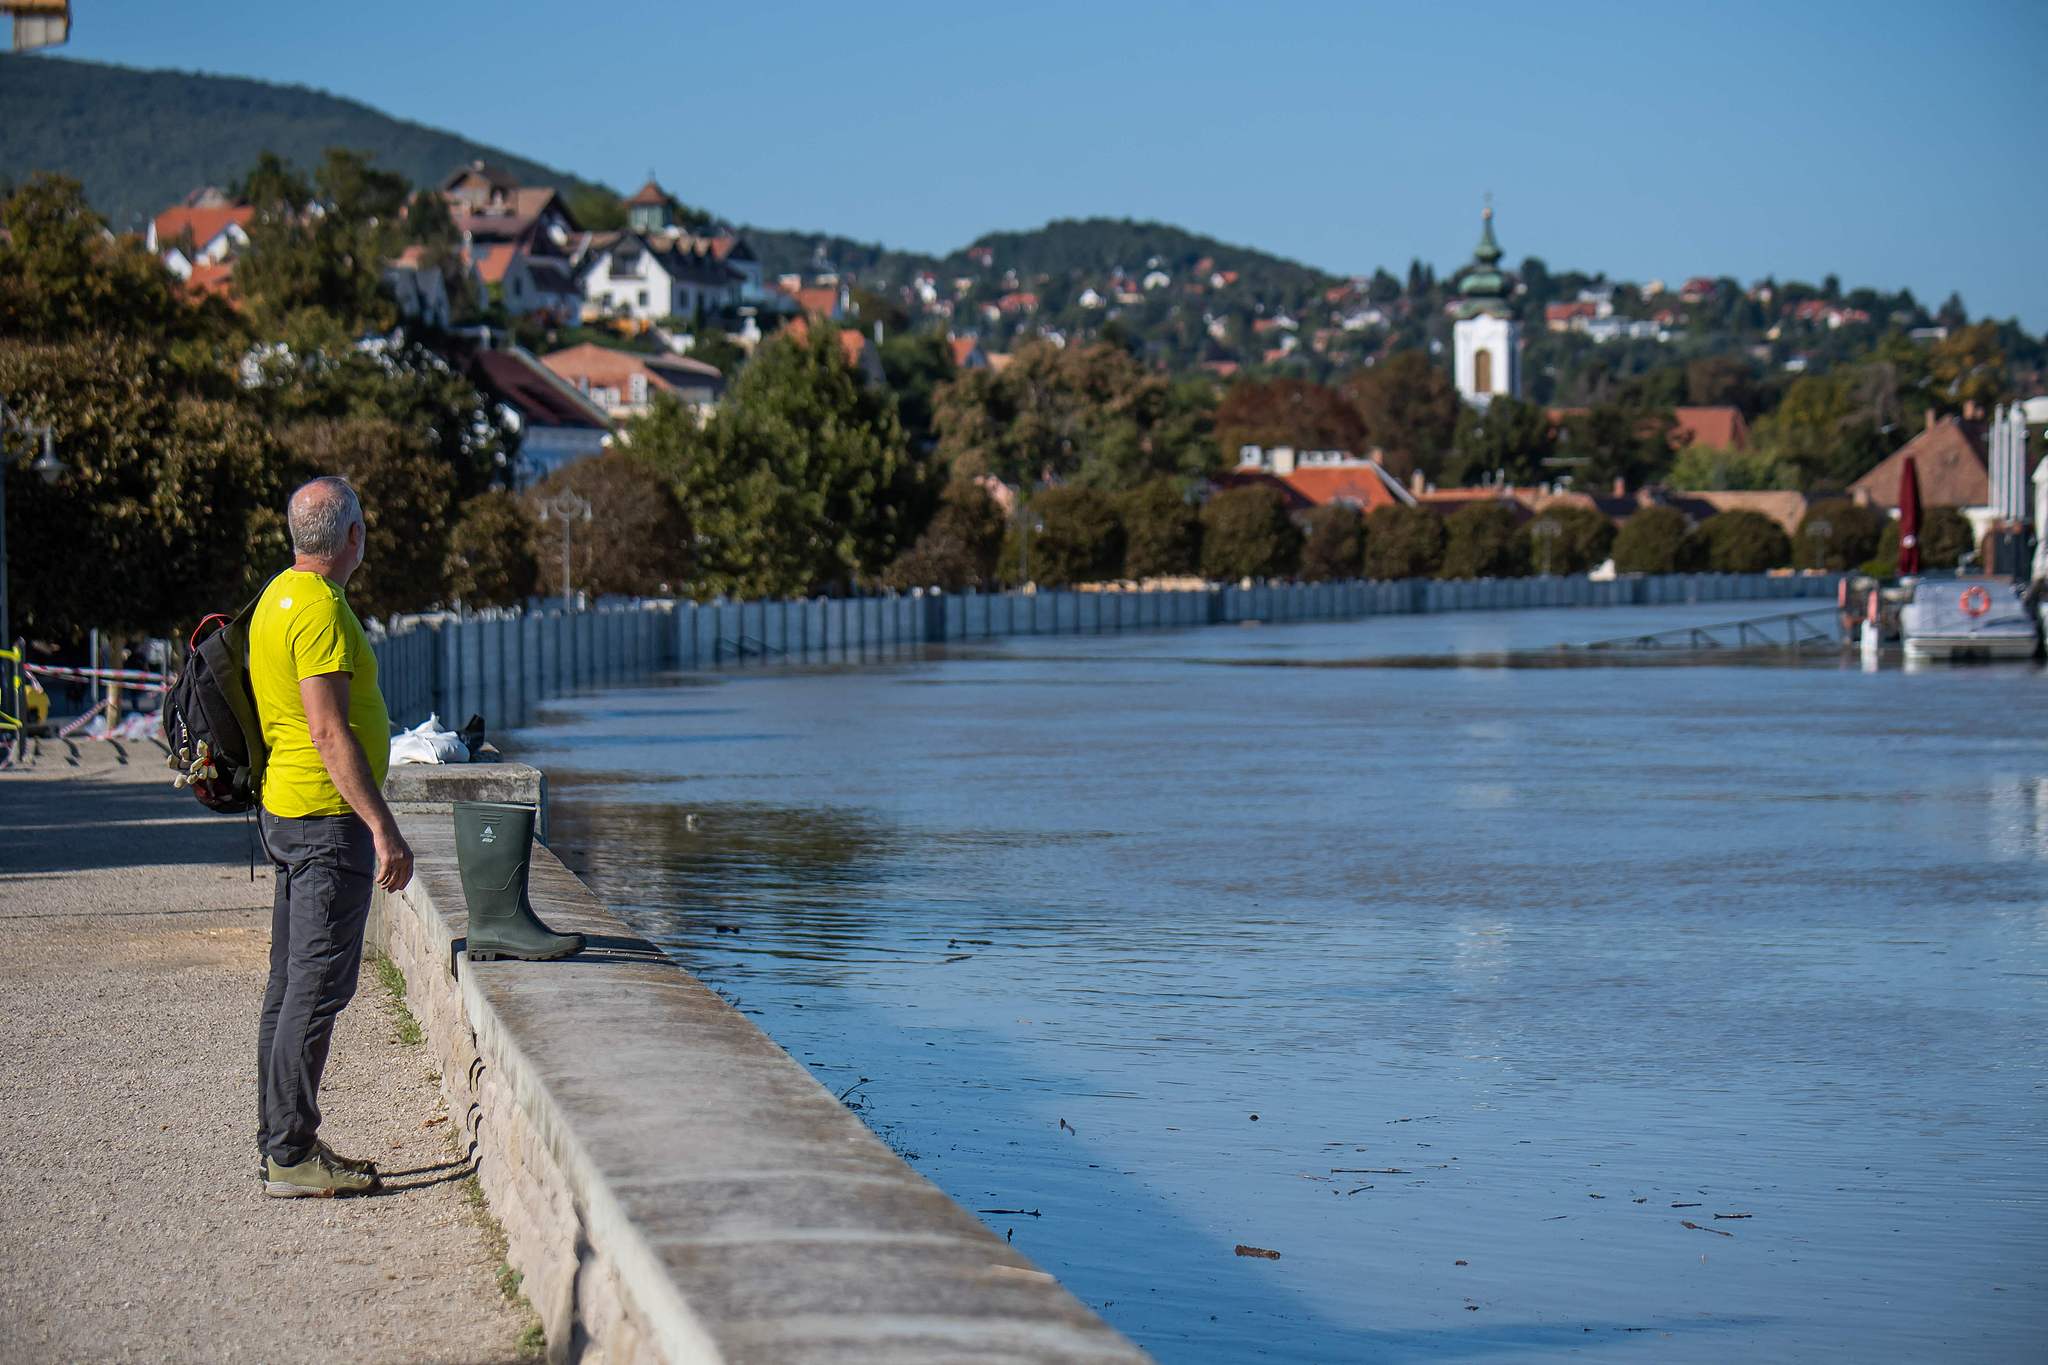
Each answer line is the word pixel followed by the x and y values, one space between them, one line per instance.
pixel 209 717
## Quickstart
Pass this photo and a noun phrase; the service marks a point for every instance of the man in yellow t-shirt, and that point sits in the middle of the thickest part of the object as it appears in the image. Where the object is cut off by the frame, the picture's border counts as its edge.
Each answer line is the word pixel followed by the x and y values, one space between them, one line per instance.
pixel 330 836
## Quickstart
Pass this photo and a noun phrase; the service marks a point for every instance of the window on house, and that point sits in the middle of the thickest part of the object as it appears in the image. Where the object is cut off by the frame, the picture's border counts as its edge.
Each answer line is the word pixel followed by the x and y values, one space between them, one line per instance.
pixel 1482 372
pixel 518 287
pixel 637 387
pixel 643 298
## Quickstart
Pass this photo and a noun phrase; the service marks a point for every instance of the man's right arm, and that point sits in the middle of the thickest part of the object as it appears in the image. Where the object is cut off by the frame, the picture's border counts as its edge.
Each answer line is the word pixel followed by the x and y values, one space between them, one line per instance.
pixel 325 696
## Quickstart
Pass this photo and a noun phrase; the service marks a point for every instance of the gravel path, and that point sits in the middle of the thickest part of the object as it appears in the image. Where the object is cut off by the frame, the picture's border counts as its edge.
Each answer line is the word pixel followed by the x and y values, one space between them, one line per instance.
pixel 133 948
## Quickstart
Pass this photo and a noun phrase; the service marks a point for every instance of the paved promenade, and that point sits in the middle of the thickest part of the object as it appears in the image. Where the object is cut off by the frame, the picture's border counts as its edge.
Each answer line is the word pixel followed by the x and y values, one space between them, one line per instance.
pixel 133 948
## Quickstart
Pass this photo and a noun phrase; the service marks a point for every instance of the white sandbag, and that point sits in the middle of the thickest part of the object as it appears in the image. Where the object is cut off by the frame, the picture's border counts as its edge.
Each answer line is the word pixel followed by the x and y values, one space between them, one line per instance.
pixel 427 742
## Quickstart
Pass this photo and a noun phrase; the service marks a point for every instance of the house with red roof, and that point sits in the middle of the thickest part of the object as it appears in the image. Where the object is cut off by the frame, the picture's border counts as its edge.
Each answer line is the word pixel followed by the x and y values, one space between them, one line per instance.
pixel 199 236
pixel 624 383
pixel 1721 426
pixel 555 423
pixel 967 353
pixel 1948 458
pixel 1318 478
pixel 633 275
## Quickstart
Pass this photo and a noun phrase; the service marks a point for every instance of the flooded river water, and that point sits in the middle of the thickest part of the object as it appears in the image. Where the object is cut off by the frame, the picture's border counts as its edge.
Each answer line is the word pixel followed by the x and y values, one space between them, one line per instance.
pixel 1686 1012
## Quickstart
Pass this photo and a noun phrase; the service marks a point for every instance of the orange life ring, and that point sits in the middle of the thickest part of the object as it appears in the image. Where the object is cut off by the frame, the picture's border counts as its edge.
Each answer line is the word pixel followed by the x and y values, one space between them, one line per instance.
pixel 1974 601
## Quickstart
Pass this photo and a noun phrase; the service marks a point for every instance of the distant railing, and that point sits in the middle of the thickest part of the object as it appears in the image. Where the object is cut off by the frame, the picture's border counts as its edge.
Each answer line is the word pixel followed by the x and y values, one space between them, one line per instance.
pixel 501 664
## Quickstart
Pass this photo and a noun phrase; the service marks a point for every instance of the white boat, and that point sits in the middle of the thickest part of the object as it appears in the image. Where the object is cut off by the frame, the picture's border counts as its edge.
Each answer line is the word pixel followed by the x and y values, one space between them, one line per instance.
pixel 1961 619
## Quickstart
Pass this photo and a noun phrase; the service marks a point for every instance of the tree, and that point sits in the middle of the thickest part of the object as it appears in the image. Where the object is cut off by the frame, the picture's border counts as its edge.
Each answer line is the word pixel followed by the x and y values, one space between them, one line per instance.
pixel 408 498
pixel 1290 412
pixel 1653 540
pixel 959 549
pixel 1967 368
pixel 168 511
pixel 1403 542
pixel 1578 539
pixel 1246 533
pixel 801 481
pixel 1410 409
pixel 1335 546
pixel 597 210
pixel 1739 541
pixel 1829 428
pixel 916 364
pixel 1087 414
pixel 1837 534
pixel 1162 530
pixel 1075 537
pixel 1505 439
pixel 1722 380
pixel 637 541
pixel 1944 539
pixel 491 557
pixel 1483 541
pixel 1722 468
pixel 1611 441
pixel 60 279
pixel 319 373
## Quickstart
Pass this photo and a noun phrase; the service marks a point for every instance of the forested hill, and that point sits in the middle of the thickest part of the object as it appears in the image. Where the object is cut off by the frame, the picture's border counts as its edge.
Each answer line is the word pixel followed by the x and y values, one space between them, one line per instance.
pixel 139 140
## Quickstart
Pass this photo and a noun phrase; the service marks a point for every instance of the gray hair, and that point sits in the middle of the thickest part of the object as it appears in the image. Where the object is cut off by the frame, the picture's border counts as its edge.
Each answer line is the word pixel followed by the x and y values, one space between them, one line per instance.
pixel 321 514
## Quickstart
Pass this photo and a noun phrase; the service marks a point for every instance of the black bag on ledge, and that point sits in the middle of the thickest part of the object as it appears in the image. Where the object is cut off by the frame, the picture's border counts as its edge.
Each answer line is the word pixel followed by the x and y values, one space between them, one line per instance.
pixel 209 717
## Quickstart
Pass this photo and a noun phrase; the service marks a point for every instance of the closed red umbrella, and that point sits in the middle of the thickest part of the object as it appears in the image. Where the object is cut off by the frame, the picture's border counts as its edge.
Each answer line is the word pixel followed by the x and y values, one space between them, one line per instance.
pixel 1909 519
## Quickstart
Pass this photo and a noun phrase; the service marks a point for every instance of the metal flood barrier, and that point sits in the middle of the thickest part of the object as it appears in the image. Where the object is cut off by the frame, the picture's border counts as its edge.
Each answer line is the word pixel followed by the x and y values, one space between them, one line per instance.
pixel 500 664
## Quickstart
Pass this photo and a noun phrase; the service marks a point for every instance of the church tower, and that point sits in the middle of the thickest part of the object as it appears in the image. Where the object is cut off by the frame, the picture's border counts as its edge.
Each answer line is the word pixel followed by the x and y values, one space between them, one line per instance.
pixel 1486 338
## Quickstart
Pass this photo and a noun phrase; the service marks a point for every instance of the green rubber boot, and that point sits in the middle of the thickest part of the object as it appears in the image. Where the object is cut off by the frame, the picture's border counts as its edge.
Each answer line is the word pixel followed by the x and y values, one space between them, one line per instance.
pixel 494 846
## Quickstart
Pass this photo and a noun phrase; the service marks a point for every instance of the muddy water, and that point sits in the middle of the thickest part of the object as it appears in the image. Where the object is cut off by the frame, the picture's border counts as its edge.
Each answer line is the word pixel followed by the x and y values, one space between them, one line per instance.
pixel 1691 1011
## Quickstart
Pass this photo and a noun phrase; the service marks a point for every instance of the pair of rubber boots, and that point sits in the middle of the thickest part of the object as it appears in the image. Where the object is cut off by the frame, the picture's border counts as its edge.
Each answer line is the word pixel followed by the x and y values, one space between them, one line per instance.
pixel 494 847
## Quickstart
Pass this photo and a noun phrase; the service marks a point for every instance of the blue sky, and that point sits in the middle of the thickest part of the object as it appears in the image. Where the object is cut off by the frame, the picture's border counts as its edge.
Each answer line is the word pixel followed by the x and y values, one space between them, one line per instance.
pixel 1894 144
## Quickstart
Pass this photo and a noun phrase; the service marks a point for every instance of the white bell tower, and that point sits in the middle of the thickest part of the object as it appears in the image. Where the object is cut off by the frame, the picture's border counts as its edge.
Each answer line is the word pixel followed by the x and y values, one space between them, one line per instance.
pixel 1486 340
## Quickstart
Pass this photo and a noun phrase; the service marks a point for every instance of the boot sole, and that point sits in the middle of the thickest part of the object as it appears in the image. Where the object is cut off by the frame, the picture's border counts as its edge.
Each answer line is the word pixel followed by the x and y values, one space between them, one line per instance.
pixel 487 956
pixel 284 1189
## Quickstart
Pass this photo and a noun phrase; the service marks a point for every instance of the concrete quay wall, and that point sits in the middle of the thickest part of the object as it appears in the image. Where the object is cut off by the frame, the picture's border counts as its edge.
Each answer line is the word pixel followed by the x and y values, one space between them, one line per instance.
pixel 501 664
pixel 673 1186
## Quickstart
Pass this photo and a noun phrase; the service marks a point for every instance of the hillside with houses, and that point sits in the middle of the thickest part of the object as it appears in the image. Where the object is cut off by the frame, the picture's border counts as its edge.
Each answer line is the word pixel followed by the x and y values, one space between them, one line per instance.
pixel 1128 400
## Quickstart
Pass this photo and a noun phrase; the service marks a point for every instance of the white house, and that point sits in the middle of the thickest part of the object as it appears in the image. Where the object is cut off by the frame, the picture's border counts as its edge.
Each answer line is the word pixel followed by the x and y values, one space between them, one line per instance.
pixel 216 234
pixel 627 275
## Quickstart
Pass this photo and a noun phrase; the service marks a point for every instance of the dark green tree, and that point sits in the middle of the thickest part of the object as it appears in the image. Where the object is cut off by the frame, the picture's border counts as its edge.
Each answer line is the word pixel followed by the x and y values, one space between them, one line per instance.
pixel 1739 541
pixel 801 482
pixel 1837 534
pixel 1653 540
pixel 1075 537
pixel 1403 542
pixel 1246 533
pixel 491 556
pixel 917 363
pixel 1484 541
pixel 1162 530
pixel 1578 539
pixel 1335 544
pixel 1507 438
pixel 1609 442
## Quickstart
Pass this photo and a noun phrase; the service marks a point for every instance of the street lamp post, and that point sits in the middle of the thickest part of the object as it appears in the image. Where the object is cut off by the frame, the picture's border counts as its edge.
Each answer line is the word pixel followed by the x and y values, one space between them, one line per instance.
pixel 46 464
pixel 1546 531
pixel 1818 531
pixel 567 508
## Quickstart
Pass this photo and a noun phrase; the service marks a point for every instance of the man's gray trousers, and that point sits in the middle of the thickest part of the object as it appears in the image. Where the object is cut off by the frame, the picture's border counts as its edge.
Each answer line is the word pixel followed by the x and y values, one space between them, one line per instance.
pixel 326 868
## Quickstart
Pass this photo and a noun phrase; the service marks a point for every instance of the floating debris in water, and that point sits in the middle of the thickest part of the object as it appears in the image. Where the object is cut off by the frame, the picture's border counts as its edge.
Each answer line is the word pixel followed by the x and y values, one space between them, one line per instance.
pixel 1260 1252
pixel 1696 1227
pixel 1068 1127
pixel 1021 1213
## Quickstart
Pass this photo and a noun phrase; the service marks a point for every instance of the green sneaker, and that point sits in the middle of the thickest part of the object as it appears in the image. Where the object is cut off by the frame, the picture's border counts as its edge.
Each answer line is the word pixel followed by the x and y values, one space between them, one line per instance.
pixel 359 1165
pixel 319 1176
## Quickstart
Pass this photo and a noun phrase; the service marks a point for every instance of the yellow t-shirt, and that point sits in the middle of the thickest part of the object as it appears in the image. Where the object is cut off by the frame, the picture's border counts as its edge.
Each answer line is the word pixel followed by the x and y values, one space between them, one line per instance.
pixel 302 628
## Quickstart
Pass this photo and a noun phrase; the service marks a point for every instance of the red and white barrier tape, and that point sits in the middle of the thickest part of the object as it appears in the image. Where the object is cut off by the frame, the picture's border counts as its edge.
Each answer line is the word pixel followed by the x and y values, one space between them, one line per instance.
pixel 138 678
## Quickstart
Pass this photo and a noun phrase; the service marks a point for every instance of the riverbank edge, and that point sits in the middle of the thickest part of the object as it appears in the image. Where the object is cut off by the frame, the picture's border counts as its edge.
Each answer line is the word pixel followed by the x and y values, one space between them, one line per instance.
pixel 673 1186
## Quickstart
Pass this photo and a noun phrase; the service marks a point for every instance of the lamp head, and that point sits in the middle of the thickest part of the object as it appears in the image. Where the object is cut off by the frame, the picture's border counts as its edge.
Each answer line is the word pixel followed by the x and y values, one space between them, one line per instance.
pixel 47 464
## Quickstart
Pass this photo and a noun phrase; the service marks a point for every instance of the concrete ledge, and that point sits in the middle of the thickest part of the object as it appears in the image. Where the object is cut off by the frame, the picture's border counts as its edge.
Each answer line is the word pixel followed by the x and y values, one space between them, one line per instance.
pixel 674 1186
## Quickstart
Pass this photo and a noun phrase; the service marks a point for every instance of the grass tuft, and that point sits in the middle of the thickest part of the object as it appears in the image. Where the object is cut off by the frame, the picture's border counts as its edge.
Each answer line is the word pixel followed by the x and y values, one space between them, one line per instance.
pixel 410 1034
pixel 533 1341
